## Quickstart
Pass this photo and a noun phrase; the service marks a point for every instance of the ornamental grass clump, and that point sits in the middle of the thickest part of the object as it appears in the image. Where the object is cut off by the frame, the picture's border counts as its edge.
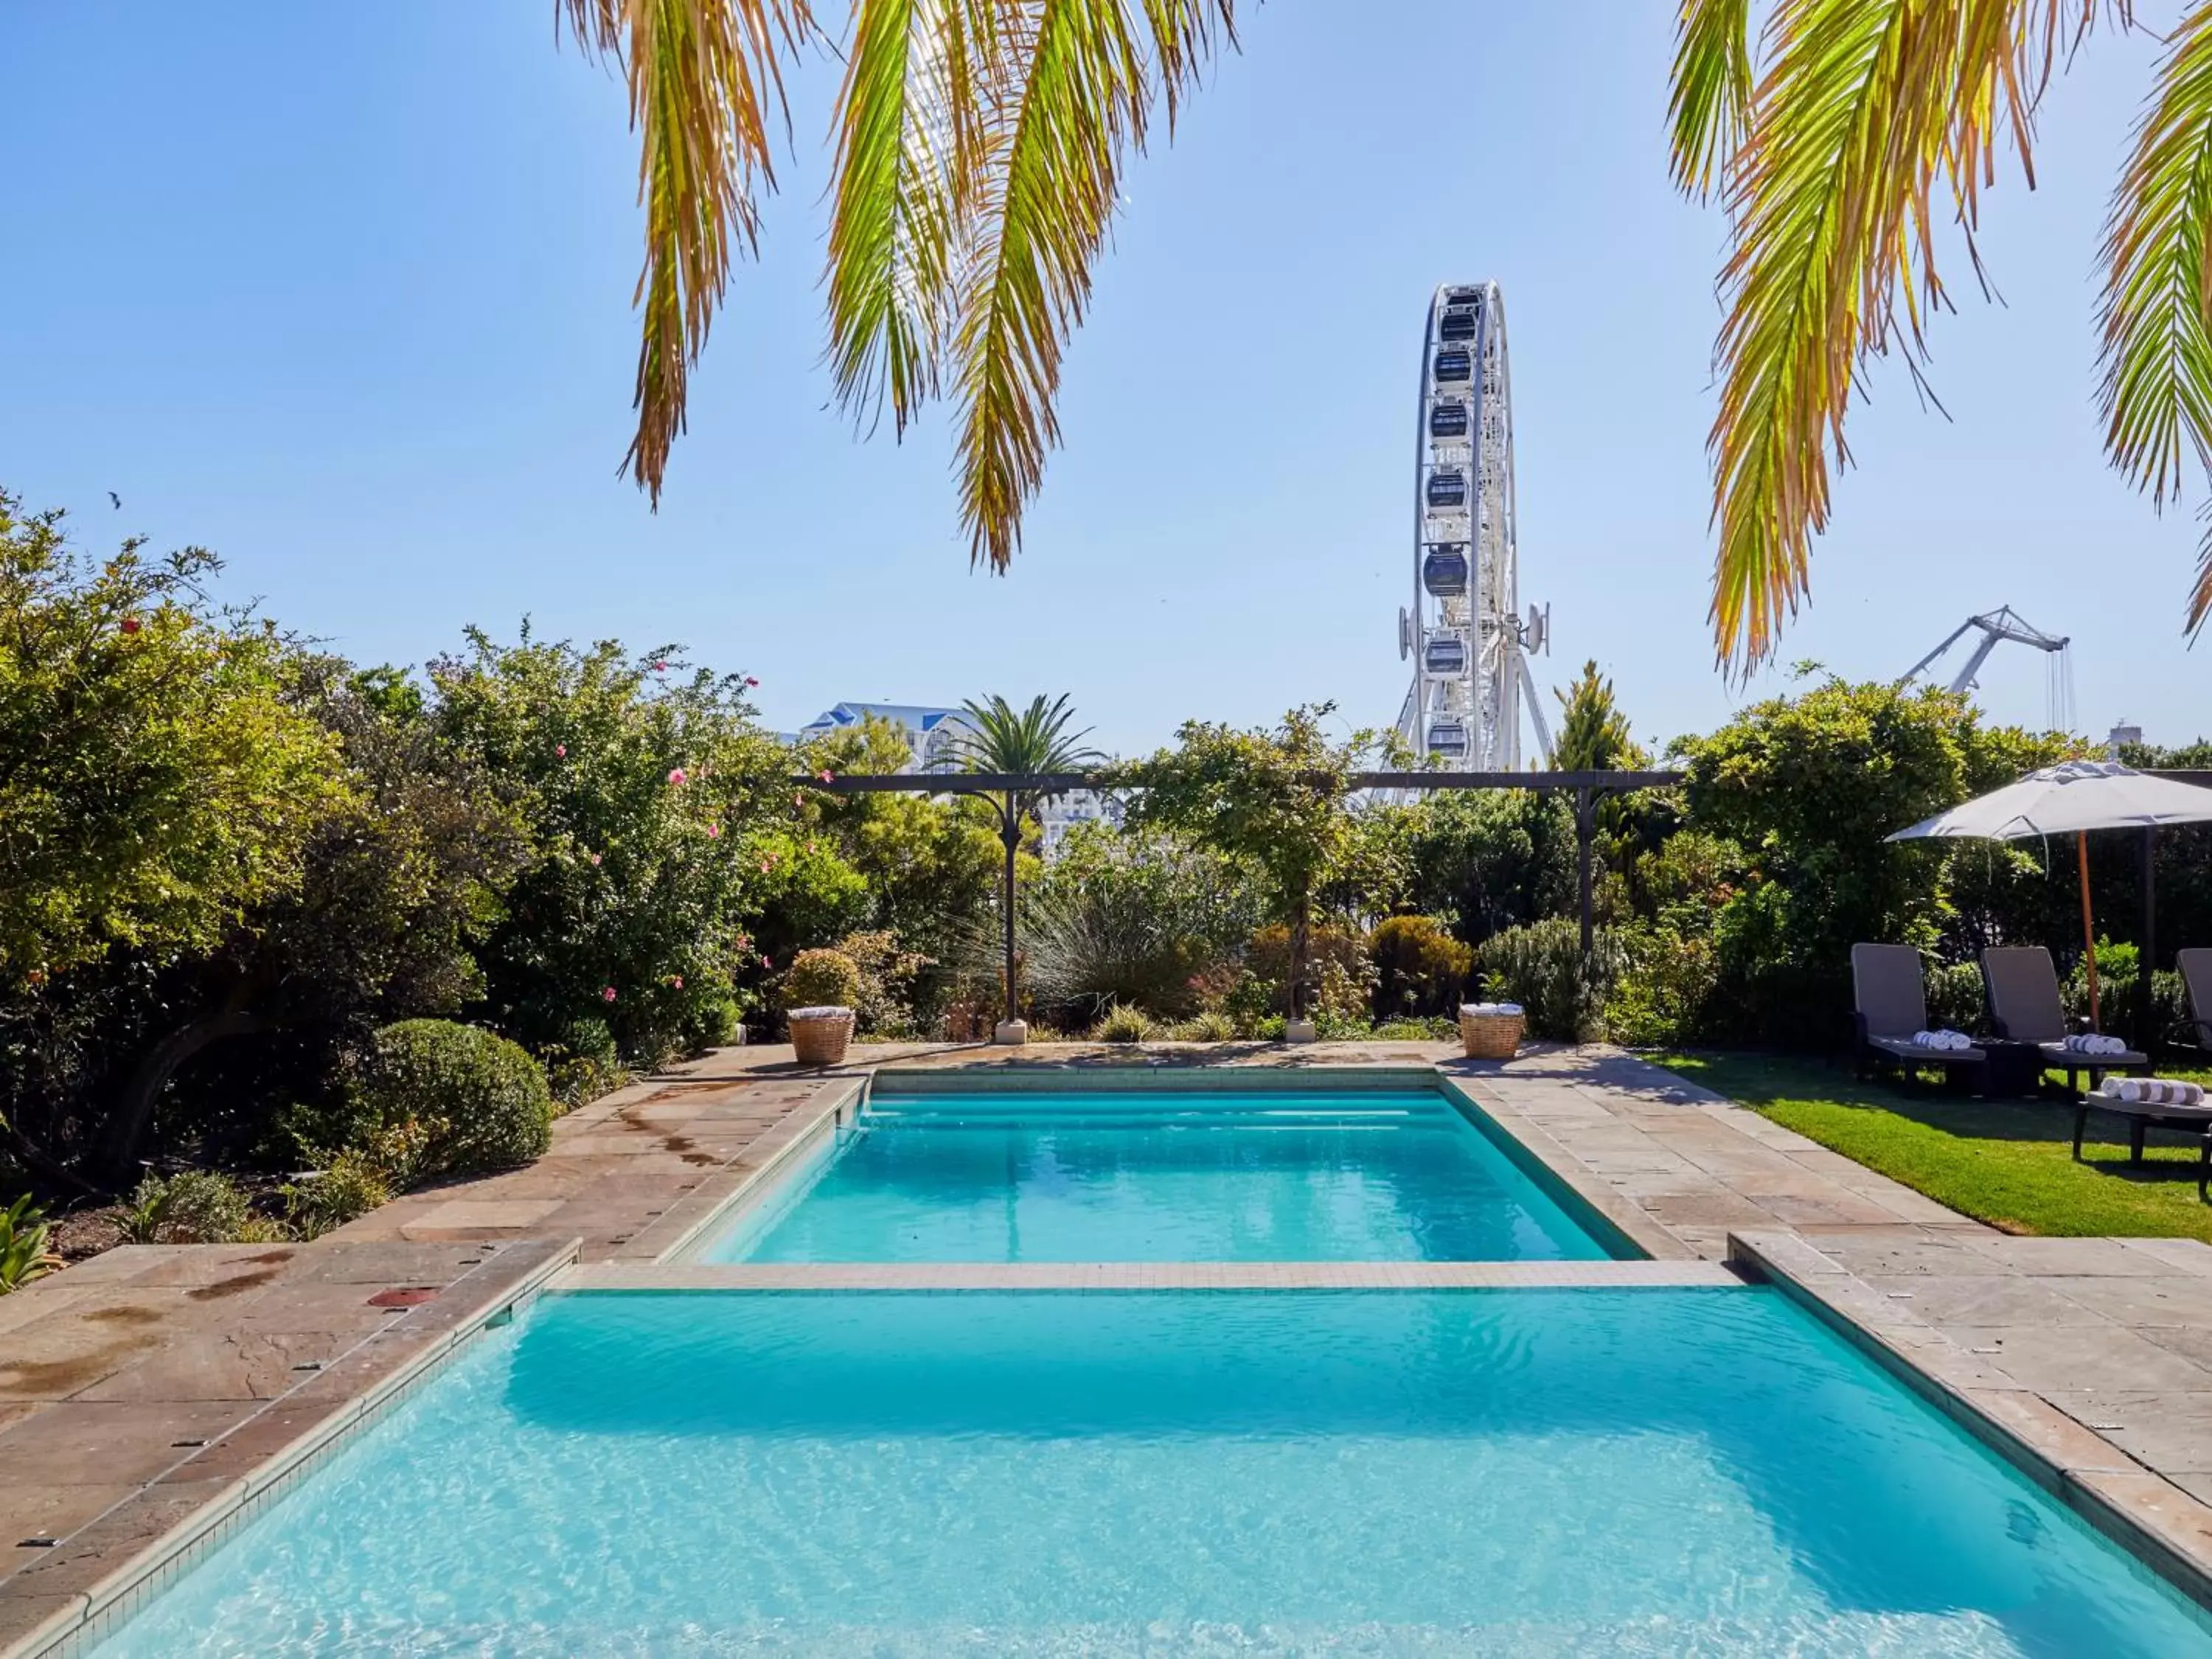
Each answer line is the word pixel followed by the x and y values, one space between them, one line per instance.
pixel 1124 1024
pixel 24 1237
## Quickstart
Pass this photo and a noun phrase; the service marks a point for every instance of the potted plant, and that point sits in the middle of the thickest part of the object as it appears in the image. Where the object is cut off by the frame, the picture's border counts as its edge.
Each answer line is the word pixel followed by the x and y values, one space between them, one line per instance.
pixel 819 993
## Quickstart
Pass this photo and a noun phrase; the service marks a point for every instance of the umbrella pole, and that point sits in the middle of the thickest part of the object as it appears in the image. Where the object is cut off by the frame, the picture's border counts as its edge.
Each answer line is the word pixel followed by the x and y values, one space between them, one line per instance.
pixel 2088 929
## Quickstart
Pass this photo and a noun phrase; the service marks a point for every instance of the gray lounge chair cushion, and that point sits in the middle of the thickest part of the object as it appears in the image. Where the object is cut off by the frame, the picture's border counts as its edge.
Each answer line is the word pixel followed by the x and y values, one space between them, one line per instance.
pixel 2183 1115
pixel 1906 1048
pixel 2196 970
pixel 2059 1054
pixel 2023 992
pixel 1886 988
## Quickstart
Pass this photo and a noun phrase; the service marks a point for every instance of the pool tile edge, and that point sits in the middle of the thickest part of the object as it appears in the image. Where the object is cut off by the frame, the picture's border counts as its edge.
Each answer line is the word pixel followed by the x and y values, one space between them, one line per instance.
pixel 984 1277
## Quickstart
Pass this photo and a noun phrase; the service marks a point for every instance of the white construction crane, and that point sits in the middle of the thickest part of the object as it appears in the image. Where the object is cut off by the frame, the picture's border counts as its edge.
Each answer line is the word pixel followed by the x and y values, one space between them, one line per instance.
pixel 1996 626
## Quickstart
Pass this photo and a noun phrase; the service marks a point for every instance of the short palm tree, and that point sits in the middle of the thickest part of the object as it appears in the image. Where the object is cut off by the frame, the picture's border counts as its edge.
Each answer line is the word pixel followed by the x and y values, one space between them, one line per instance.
pixel 1028 743
pixel 1836 133
pixel 980 150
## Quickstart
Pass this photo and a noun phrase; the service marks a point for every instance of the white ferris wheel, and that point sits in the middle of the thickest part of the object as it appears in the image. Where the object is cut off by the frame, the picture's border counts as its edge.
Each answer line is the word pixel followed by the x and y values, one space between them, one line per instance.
pixel 1469 644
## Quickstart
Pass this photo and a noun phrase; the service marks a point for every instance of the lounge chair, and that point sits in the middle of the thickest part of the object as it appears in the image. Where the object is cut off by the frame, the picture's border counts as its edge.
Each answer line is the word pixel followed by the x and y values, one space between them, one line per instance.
pixel 2142 1115
pixel 1890 1002
pixel 2196 970
pixel 2022 988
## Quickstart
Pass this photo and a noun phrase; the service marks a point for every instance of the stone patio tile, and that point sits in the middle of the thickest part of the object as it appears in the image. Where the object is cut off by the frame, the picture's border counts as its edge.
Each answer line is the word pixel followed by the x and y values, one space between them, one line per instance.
pixel 85 1341
pixel 80 1443
pixel 41 1298
pixel 124 1261
pixel 2053 1436
pixel 2085 1257
pixel 50 1509
pixel 202 1266
pixel 2193 1254
pixel 33 1621
pixel 2051 1360
pixel 381 1262
pixel 2161 1508
pixel 92 1557
pixel 1968 1304
pixel 462 1214
pixel 2176 1301
pixel 244 1365
pixel 248 1449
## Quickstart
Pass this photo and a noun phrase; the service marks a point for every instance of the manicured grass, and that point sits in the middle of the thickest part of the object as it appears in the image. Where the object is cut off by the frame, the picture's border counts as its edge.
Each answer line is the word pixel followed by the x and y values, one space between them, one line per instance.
pixel 2009 1163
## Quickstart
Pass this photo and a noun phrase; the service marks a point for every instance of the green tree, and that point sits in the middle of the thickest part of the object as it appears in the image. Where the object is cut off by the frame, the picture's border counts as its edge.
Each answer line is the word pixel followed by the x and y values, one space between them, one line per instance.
pixel 1276 801
pixel 1029 742
pixel 156 778
pixel 655 807
pixel 1593 735
pixel 1825 127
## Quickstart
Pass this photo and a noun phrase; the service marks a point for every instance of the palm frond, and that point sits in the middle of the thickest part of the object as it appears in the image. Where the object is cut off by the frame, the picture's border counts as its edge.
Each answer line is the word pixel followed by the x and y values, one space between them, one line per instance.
pixel 702 75
pixel 2156 395
pixel 1865 106
pixel 1066 92
pixel 1709 105
pixel 909 147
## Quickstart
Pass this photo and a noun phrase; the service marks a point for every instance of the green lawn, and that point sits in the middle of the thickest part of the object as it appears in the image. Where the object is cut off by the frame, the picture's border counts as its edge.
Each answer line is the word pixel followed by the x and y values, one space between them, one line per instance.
pixel 2009 1163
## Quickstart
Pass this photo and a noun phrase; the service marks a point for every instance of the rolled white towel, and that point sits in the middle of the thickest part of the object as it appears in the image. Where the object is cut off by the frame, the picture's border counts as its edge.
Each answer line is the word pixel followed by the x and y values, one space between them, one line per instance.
pixel 2110 1045
pixel 1490 1007
pixel 1944 1038
pixel 2153 1092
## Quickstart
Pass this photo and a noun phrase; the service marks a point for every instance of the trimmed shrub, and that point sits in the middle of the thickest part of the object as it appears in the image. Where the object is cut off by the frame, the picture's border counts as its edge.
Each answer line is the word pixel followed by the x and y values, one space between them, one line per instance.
pixel 1422 969
pixel 1540 967
pixel 349 1189
pixel 1124 1024
pixel 822 979
pixel 483 1100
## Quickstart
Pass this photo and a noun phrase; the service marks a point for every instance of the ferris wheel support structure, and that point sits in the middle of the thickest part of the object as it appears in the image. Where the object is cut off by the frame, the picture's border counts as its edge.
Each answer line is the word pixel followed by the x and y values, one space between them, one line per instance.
pixel 1470 646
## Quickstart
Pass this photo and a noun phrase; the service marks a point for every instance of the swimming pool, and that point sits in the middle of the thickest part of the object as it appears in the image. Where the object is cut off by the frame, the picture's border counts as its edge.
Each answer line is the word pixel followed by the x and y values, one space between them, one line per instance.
pixel 1523 1473
pixel 1153 1176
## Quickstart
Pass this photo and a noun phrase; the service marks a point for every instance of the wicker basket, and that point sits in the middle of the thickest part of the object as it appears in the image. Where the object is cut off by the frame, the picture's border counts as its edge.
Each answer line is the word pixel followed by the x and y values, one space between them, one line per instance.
pixel 1489 1036
pixel 820 1034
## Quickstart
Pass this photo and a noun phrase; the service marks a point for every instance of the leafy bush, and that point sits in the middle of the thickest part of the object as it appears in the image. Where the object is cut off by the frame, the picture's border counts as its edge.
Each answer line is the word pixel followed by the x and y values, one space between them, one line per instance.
pixel 24 1235
pixel 1421 968
pixel 1124 1024
pixel 1437 1029
pixel 1493 858
pixel 584 1064
pixel 1540 967
pixel 350 1187
pixel 889 976
pixel 1211 1026
pixel 197 1206
pixel 822 979
pixel 481 1101
pixel 1337 964
pixel 1954 995
pixel 1666 990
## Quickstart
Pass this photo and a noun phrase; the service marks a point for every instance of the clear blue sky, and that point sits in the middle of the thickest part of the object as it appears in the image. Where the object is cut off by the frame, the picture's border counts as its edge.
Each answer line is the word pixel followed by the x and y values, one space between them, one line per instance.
pixel 343 291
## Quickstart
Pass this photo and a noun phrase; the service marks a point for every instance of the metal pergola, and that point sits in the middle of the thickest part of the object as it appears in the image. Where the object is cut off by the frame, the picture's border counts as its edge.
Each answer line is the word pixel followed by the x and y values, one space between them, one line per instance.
pixel 1005 790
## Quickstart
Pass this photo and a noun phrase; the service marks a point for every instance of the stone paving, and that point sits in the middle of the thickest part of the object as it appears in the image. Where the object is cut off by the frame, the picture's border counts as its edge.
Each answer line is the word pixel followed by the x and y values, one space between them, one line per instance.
pixel 149 1397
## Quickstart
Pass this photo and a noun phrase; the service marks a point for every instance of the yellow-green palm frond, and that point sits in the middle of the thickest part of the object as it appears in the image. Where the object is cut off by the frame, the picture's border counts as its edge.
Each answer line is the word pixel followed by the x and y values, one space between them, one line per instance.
pixel 1864 107
pixel 909 146
pixel 2157 391
pixel 703 76
pixel 1065 90
pixel 1709 105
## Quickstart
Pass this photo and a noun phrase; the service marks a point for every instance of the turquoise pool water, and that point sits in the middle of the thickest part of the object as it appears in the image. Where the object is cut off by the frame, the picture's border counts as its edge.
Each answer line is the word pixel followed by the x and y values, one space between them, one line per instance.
pixel 1294 1177
pixel 1526 1473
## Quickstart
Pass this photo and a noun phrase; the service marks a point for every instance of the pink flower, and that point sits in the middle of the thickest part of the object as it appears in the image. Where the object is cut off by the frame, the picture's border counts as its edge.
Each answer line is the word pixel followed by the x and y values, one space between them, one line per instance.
pixel 767 865
pixel 809 849
pixel 826 778
pixel 677 980
pixel 561 749
pixel 678 777
pixel 661 668
pixel 768 962
pixel 714 832
pixel 607 994
pixel 594 857
pixel 750 680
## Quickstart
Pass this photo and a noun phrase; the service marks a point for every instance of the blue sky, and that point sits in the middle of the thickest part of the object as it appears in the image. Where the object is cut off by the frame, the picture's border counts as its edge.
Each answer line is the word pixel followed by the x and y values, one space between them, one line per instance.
pixel 343 291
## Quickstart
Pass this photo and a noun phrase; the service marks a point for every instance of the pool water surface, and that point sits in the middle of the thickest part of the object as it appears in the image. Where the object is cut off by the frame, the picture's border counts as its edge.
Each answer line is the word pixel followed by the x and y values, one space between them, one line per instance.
pixel 1308 1176
pixel 1519 1472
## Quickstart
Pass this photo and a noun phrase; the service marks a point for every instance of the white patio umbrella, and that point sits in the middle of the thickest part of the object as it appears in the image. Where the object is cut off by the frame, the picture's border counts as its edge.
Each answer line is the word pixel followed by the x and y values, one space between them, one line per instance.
pixel 2072 798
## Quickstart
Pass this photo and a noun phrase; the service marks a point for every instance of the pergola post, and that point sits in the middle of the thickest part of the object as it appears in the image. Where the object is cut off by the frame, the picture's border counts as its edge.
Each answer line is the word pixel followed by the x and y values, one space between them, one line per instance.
pixel 1585 832
pixel 2148 1033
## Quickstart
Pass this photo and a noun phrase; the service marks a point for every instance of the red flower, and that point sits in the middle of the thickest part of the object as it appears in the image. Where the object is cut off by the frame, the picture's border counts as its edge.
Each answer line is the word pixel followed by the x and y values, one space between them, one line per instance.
pixel 750 680
pixel 130 624
pixel 678 777
pixel 561 749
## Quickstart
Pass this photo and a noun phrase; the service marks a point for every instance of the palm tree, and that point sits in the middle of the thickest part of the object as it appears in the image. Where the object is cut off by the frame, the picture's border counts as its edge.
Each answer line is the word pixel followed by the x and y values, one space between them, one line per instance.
pixel 1029 743
pixel 980 150
pixel 1826 135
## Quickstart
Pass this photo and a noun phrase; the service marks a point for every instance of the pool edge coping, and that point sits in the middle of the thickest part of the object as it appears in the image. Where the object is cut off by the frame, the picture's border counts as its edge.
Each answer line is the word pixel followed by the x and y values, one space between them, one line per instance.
pixel 924 1278
pixel 2115 1495
pixel 86 1617
pixel 676 1234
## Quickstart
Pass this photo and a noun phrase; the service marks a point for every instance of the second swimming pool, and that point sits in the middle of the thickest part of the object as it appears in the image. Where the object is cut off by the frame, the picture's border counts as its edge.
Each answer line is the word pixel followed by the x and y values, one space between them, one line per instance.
pixel 1288 1176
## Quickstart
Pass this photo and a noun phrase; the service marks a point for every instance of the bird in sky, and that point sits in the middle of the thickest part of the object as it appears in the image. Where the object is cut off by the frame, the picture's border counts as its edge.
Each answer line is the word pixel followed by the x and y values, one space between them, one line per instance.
pixel 117 499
